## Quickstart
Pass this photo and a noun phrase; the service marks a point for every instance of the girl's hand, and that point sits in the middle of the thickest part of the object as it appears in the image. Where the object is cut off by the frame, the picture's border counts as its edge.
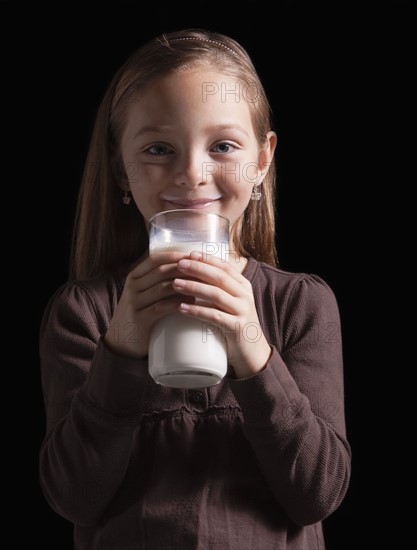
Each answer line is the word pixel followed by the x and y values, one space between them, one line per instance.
pixel 147 296
pixel 229 305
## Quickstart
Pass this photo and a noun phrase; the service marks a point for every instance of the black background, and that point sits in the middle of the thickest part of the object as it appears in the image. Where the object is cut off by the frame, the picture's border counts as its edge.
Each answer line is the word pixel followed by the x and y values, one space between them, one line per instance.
pixel 337 76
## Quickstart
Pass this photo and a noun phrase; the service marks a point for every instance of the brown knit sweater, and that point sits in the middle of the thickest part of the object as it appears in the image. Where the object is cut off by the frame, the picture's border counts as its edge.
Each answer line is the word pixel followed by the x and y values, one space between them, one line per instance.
pixel 250 464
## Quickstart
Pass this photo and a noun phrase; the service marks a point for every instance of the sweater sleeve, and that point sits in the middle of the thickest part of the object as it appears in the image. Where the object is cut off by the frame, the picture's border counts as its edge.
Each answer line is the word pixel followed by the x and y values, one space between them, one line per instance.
pixel 93 400
pixel 293 410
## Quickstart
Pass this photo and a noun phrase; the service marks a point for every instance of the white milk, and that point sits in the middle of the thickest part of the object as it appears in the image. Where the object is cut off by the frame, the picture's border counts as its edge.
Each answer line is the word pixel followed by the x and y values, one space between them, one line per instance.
pixel 216 249
pixel 186 352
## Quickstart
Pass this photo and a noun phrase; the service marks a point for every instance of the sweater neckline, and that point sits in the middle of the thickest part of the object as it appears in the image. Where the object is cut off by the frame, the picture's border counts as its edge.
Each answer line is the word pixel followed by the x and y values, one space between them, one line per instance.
pixel 250 269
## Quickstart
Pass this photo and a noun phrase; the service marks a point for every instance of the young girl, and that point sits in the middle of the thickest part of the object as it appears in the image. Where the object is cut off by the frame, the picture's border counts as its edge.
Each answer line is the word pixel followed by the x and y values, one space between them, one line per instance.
pixel 255 462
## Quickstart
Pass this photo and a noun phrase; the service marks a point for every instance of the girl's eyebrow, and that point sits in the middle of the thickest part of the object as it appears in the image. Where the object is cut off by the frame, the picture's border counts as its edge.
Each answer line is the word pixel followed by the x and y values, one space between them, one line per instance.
pixel 215 128
pixel 220 127
pixel 151 129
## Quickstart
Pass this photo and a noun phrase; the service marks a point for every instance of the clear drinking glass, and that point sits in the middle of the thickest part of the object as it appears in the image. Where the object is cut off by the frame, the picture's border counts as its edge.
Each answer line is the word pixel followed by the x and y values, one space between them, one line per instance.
pixel 186 352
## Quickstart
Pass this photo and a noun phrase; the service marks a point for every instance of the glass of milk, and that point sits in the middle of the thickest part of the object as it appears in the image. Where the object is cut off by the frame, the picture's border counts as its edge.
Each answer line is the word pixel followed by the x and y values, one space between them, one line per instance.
pixel 186 352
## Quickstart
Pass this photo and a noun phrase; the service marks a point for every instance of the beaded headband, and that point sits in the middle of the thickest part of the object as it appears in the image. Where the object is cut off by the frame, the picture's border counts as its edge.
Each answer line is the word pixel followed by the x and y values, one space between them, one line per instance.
pixel 205 40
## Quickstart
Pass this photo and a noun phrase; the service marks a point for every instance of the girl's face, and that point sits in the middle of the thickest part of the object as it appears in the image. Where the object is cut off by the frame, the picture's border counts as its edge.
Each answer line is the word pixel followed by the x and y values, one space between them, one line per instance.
pixel 189 142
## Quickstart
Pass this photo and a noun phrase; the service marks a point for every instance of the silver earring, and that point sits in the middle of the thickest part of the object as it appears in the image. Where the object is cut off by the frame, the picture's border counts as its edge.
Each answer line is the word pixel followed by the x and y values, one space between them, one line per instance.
pixel 126 198
pixel 256 195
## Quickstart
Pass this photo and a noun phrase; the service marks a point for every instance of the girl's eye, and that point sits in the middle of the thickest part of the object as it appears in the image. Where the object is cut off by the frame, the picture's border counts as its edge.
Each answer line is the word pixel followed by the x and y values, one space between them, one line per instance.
pixel 158 149
pixel 223 147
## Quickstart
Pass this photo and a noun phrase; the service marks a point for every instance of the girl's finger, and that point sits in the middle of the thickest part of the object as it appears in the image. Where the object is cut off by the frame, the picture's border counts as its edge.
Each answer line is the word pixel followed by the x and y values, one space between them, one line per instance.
pixel 154 294
pixel 207 314
pixel 216 273
pixel 214 295
pixel 165 272
pixel 156 260
pixel 232 265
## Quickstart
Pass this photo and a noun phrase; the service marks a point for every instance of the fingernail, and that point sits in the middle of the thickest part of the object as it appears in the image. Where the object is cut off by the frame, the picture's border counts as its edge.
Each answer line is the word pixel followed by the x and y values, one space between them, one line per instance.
pixel 184 307
pixel 184 264
pixel 180 283
pixel 196 255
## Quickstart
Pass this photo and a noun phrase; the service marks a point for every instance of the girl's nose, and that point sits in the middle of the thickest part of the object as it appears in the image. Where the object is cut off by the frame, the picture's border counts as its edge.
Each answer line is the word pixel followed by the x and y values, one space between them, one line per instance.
pixel 192 171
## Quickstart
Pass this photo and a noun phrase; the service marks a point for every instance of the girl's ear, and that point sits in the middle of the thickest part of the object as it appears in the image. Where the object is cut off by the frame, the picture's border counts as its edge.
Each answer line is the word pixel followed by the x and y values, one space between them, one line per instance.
pixel 266 154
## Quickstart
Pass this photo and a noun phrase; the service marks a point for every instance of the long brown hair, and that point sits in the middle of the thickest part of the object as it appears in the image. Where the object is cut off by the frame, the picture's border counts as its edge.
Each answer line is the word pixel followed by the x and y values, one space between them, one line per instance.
pixel 107 233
